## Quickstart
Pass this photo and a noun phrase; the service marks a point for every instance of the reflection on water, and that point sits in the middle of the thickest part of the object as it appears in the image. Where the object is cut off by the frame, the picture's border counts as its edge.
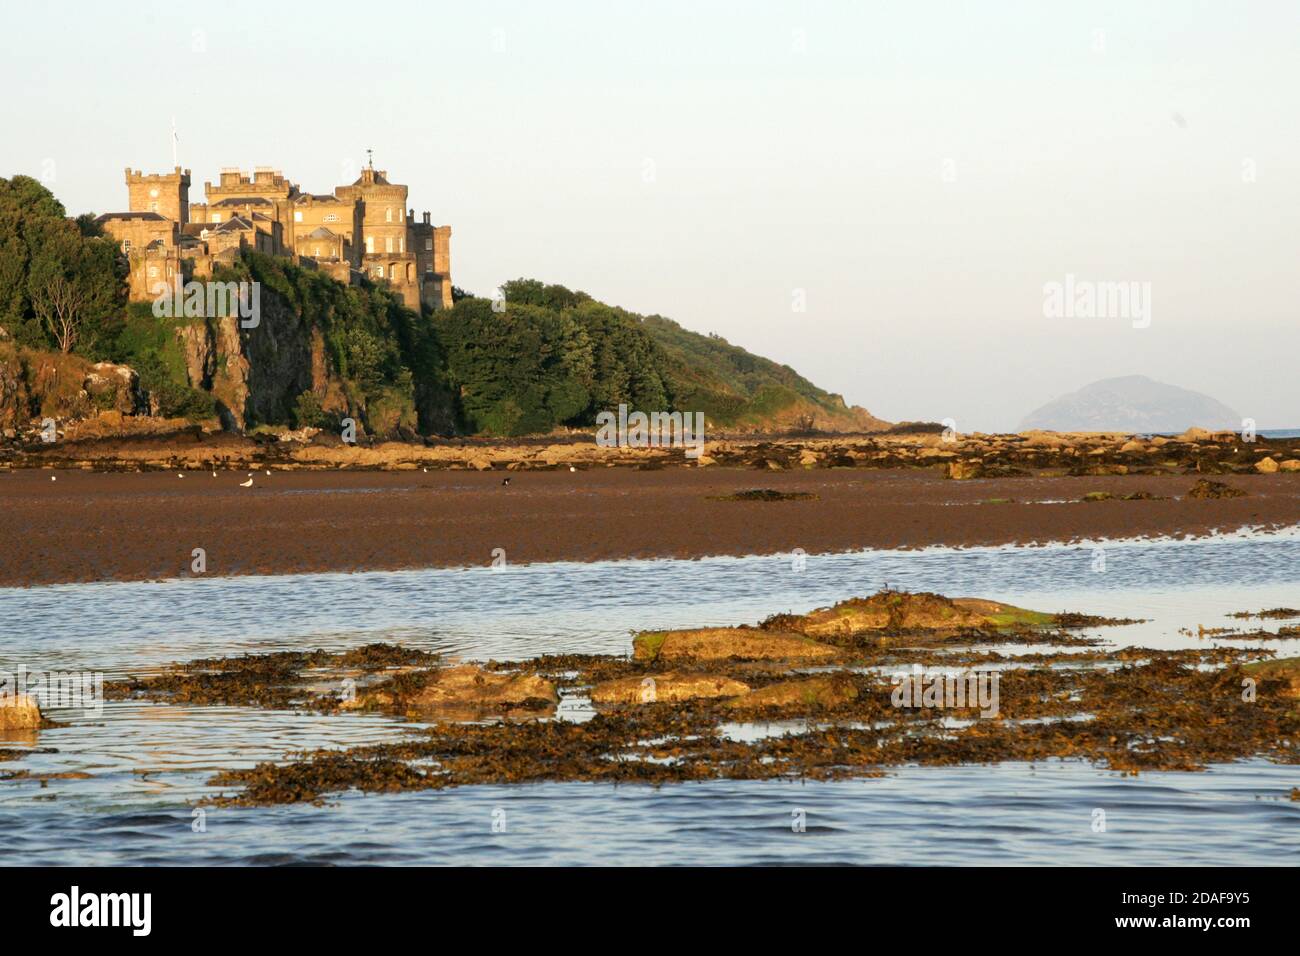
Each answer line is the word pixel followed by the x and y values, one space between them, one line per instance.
pixel 148 762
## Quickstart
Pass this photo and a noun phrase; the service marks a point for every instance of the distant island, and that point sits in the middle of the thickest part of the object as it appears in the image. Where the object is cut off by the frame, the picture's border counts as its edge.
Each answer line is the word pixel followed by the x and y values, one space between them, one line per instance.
pixel 1131 403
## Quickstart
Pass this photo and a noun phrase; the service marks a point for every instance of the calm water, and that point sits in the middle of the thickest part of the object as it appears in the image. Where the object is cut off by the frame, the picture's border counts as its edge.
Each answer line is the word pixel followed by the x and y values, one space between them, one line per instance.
pixel 147 763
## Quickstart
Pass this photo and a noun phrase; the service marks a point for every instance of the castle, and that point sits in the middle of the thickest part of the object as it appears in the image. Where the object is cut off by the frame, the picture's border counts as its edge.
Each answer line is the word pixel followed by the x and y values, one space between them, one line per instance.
pixel 363 229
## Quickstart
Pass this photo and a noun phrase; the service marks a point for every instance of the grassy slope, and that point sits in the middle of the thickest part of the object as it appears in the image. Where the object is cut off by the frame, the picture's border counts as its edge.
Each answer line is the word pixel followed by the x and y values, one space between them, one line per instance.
pixel 737 388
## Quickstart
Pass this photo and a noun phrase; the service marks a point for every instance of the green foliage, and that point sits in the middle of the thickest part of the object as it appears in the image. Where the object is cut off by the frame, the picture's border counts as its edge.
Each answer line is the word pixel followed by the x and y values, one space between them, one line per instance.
pixel 307 412
pixel 523 370
pixel 653 364
pixel 60 279
pixel 533 292
pixel 170 398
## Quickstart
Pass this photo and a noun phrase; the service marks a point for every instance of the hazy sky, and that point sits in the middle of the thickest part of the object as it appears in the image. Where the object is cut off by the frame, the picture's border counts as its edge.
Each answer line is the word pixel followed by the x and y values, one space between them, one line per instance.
pixel 914 172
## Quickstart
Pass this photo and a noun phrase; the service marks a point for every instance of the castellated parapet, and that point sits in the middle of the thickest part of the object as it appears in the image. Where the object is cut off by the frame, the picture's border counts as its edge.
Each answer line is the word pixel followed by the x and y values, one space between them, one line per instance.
pixel 167 194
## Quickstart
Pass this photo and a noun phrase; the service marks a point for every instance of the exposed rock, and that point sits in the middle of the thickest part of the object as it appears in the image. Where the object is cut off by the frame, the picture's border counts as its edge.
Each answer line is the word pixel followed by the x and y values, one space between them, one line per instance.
pixel 466 686
pixel 815 692
pixel 115 388
pixel 721 643
pixel 19 712
pixel 902 611
pixel 470 685
pixel 964 469
pixel 1266 466
pixel 665 687
pixel 1205 488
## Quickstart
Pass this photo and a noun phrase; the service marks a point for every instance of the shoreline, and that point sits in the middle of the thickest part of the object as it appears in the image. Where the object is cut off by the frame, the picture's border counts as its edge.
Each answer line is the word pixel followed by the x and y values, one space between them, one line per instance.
pixel 112 526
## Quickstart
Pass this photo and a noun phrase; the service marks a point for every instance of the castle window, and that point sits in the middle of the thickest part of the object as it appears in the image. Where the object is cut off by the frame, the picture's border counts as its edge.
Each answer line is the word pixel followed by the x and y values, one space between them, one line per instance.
pixel 331 218
pixel 401 243
pixel 428 245
pixel 126 247
pixel 388 244
pixel 379 271
pixel 216 217
pixel 297 215
pixel 153 207
pixel 389 214
pixel 370 244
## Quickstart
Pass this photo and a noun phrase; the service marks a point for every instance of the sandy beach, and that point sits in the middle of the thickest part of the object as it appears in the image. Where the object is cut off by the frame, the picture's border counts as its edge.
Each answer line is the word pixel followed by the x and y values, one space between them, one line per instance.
pixel 87 526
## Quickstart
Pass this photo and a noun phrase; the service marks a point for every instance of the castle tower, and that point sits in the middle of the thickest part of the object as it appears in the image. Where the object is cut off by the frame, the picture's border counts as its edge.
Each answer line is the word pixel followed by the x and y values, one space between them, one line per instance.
pixel 167 194
pixel 385 245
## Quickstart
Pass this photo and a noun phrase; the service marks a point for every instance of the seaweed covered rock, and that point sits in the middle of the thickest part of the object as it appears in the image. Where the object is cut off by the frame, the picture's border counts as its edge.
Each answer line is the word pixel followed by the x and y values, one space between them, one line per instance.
pixel 815 693
pixel 465 686
pixel 726 643
pixel 665 687
pixel 1205 488
pixel 903 611
pixel 1286 669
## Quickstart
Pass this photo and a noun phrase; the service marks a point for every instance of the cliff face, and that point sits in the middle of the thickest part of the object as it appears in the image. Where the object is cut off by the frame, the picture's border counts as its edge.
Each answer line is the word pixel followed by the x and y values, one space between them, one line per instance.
pixel 257 375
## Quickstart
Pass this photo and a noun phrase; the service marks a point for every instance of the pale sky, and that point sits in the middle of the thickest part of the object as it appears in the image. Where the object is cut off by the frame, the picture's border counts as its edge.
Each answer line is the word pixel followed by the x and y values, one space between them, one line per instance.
pixel 915 171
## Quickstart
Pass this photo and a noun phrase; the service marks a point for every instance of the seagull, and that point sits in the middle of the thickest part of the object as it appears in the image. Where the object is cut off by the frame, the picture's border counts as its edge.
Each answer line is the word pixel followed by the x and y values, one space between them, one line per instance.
pixel 180 474
pixel 248 483
pixel 505 481
pixel 55 478
pixel 571 468
pixel 268 473
pixel 214 474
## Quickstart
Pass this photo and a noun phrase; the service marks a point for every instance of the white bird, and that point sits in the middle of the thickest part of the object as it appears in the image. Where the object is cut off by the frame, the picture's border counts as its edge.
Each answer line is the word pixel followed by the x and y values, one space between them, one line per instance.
pixel 180 475
pixel 214 474
pixel 53 478
pixel 268 474
pixel 571 468
pixel 248 483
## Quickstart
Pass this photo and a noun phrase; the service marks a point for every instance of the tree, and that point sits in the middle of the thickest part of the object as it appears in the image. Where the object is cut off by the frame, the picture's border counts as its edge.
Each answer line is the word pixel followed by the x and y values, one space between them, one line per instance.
pixel 525 370
pixel 72 284
pixel 60 279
